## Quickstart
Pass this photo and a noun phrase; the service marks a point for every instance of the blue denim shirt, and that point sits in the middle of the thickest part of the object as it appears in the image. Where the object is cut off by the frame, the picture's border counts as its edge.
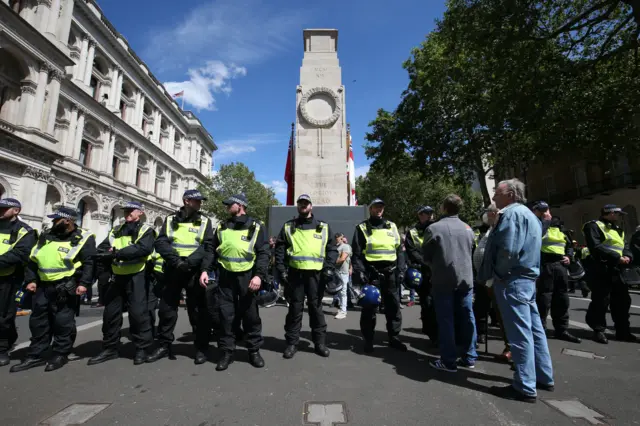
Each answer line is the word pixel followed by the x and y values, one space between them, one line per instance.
pixel 513 248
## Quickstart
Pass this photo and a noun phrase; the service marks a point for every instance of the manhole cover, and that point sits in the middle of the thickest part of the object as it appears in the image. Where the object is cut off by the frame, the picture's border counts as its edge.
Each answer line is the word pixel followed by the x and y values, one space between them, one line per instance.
pixel 581 354
pixel 328 413
pixel 75 414
pixel 577 410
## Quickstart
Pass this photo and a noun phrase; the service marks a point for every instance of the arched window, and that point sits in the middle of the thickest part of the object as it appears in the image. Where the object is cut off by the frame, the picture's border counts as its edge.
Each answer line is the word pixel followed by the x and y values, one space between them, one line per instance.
pixel 82 209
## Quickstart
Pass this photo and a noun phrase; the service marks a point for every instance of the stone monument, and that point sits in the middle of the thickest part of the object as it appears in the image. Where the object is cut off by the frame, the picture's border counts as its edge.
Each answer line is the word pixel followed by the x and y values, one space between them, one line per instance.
pixel 320 150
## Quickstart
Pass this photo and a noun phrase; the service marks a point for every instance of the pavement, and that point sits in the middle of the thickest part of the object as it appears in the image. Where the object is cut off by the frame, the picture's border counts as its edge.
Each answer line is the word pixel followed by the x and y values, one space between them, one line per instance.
pixel 384 388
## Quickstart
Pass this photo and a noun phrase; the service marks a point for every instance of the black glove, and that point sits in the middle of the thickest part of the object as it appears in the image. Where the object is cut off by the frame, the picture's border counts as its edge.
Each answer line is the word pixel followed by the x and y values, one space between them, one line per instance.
pixel 284 278
pixel 213 281
pixel 182 266
pixel 364 279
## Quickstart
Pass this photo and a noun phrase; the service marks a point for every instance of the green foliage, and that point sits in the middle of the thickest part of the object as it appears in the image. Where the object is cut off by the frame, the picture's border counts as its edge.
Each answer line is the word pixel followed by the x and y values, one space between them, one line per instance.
pixel 403 192
pixel 236 178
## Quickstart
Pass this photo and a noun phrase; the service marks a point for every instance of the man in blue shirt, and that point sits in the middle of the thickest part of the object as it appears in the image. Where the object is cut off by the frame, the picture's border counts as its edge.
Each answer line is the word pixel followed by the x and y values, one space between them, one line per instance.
pixel 512 260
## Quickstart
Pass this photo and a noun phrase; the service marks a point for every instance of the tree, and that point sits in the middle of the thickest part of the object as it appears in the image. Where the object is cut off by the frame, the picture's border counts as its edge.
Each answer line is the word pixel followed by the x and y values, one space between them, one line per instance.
pixel 403 192
pixel 236 178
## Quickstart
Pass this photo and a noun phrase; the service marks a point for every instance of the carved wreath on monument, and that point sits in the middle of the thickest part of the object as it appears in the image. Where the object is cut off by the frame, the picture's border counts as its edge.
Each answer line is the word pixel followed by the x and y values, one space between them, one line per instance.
pixel 324 122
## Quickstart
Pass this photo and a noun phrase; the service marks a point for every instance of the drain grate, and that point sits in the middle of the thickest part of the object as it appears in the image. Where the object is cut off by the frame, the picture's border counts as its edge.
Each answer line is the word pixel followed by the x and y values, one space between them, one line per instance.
pixel 325 413
pixel 75 414
pixel 581 354
pixel 577 410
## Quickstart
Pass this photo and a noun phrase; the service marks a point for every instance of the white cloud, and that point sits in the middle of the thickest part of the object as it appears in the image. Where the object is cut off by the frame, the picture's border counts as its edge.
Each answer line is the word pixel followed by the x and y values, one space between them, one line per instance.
pixel 231 149
pixel 279 186
pixel 362 170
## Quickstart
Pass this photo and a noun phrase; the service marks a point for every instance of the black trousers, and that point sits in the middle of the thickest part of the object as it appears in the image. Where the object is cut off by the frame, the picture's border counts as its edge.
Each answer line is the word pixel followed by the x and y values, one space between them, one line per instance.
pixel 174 282
pixel 389 292
pixel 104 280
pixel 51 322
pixel 155 281
pixel 236 306
pixel 303 283
pixel 553 295
pixel 428 310
pixel 132 290
pixel 481 306
pixel 607 290
pixel 8 333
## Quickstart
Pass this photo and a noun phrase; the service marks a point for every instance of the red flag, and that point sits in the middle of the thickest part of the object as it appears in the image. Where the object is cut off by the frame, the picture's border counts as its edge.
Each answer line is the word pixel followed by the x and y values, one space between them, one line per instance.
pixel 288 171
pixel 177 95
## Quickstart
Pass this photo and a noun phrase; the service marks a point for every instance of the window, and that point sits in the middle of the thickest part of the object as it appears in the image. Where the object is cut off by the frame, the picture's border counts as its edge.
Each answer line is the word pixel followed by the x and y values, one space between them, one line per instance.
pixel 123 110
pixel 4 95
pixel 550 185
pixel 16 5
pixel 144 126
pixel 94 88
pixel 85 153
pixel 156 189
pixel 138 178
pixel 176 152
pixel 82 207
pixel 115 163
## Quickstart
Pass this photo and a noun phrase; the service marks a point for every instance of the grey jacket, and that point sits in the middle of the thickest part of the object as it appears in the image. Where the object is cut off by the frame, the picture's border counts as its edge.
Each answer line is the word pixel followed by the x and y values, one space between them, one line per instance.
pixel 447 249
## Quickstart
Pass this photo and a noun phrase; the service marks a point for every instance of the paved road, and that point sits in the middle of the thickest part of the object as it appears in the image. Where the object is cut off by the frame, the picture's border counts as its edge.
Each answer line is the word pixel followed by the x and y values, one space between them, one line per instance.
pixel 385 388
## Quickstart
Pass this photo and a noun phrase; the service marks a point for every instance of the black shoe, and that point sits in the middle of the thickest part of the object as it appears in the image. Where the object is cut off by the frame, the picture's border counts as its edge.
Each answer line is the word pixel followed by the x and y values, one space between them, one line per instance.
pixel 509 392
pixel 200 358
pixel 159 353
pixel 585 293
pixel 4 360
pixel 368 347
pixel 626 337
pixel 256 359
pixel 289 352
pixel 140 357
pixel 322 350
pixel 397 344
pixel 482 339
pixel 598 336
pixel 105 355
pixel 27 364
pixel 565 335
pixel 548 388
pixel 223 363
pixel 56 363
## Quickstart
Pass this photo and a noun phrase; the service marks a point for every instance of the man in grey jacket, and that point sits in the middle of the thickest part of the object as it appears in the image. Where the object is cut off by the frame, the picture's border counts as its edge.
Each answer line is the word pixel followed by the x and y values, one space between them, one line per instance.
pixel 447 247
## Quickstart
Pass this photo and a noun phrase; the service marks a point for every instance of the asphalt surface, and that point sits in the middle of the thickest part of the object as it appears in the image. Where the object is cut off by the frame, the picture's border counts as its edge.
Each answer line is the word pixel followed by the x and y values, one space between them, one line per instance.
pixel 384 388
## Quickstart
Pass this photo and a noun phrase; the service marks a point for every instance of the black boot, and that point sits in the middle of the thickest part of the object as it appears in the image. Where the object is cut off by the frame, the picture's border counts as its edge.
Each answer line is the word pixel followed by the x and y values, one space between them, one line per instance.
pixel 140 357
pixel 289 352
pixel 105 355
pixel 395 343
pixel 626 336
pixel 598 336
pixel 27 364
pixel 368 346
pixel 322 350
pixel 159 353
pixel 509 392
pixel 4 359
pixel 256 359
pixel 56 363
pixel 200 358
pixel 223 363
pixel 565 335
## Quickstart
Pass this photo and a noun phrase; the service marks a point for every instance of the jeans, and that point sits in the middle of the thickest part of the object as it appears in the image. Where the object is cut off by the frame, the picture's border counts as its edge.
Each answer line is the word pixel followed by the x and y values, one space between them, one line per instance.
pixel 451 308
pixel 529 351
pixel 342 296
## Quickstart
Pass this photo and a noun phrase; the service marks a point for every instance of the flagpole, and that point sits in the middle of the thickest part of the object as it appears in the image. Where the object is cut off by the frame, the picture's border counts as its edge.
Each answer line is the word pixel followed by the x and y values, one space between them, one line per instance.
pixel 182 107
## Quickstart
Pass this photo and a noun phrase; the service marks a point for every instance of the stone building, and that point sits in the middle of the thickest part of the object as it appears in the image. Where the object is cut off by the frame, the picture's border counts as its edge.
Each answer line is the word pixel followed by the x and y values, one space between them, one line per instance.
pixel 84 123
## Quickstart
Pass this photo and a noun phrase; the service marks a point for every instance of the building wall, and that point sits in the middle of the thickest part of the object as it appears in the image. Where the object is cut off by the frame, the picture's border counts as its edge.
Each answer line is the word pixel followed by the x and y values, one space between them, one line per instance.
pixel 84 123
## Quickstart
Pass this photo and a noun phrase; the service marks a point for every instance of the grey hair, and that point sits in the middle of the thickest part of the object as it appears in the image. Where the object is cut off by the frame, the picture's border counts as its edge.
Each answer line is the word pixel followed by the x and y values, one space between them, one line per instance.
pixel 517 188
pixel 491 208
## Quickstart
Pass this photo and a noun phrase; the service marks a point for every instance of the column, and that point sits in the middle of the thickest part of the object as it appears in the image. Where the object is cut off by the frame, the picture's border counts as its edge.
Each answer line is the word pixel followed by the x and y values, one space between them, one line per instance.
pixel 54 96
pixel 166 187
pixel 134 166
pixel 75 153
pixel 172 135
pixel 68 142
pixel 156 126
pixel 89 63
pixel 52 23
pixel 111 151
pixel 140 110
pixel 27 99
pixel 64 23
pixel 114 85
pixel 42 16
pixel 126 175
pixel 84 49
pixel 33 191
pixel 151 185
pixel 35 118
pixel 118 91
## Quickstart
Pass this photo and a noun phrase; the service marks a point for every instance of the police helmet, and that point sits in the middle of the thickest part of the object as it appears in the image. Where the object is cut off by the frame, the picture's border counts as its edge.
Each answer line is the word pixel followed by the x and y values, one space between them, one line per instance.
pixel 576 271
pixel 266 297
pixel 412 279
pixel 369 297
pixel 333 284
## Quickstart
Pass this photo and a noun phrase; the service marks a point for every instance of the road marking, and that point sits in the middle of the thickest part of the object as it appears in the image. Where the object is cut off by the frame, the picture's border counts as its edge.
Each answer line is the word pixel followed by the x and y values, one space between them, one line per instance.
pixel 75 414
pixel 581 354
pixel 589 300
pixel 325 413
pixel 576 409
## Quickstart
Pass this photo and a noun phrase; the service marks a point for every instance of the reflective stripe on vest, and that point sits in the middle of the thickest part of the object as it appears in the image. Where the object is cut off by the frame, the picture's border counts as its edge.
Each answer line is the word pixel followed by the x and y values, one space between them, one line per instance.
pixel 158 262
pixel 5 246
pixel 307 247
pixel 382 244
pixel 186 239
pixel 55 258
pixel 127 267
pixel 553 241
pixel 416 237
pixel 236 252
pixel 585 252
pixel 613 240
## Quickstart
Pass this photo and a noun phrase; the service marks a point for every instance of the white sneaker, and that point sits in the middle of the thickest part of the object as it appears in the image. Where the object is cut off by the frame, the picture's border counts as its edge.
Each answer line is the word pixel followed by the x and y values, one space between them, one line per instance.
pixel 341 315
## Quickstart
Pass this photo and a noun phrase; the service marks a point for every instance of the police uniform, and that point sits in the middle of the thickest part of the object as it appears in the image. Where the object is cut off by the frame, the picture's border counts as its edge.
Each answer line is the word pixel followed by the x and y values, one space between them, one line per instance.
pixel 155 281
pixel 606 244
pixel 130 245
pixel 181 237
pixel 377 257
pixel 16 241
pixel 413 245
pixel 60 261
pixel 241 252
pixel 306 254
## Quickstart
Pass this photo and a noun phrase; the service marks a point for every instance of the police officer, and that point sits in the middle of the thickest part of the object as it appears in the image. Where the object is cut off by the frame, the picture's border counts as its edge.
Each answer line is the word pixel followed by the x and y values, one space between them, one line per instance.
pixel 553 283
pixel 130 245
pixel 413 244
pixel 180 237
pixel 377 256
pixel 241 253
pixel 60 268
pixel 16 241
pixel 605 240
pixel 305 245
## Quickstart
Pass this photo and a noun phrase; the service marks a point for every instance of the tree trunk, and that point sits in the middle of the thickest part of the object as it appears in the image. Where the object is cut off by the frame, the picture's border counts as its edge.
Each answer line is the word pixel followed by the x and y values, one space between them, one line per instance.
pixel 481 175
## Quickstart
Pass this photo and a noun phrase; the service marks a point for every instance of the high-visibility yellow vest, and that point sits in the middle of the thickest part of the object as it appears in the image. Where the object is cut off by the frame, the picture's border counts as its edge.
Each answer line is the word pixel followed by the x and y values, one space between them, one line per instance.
pixel 382 244
pixel 236 252
pixel 187 236
pixel 585 252
pixel 6 245
pixel 613 240
pixel 158 262
pixel 307 247
pixel 476 236
pixel 127 267
pixel 55 258
pixel 553 241
pixel 417 238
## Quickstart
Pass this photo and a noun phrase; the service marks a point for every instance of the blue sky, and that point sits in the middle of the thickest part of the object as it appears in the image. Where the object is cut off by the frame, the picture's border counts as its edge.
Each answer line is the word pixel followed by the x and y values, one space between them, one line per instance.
pixel 239 64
